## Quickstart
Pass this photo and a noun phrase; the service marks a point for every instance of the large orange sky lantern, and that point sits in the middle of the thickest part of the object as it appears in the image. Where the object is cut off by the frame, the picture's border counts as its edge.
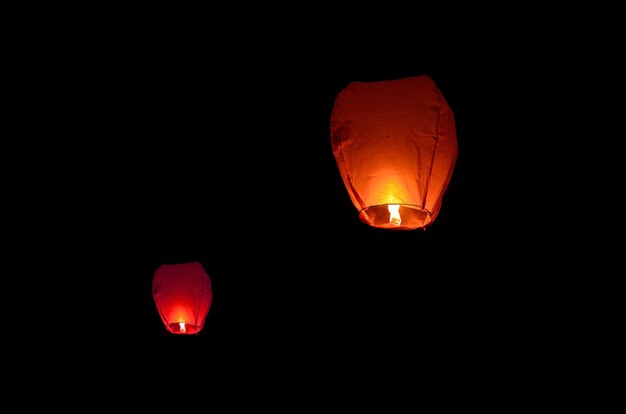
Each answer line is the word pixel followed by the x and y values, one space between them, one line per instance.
pixel 395 145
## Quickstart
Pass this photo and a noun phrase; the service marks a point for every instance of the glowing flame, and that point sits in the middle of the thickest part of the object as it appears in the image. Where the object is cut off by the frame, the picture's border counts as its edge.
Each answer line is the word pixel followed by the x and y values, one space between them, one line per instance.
pixel 182 327
pixel 394 214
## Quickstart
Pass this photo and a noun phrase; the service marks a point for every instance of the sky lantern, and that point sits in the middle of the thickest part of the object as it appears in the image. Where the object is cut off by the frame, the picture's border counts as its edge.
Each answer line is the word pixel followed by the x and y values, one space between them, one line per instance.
pixel 183 295
pixel 395 145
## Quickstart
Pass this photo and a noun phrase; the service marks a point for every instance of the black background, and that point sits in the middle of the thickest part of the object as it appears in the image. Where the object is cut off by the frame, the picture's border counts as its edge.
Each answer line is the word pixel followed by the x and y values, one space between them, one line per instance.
pixel 231 165
pixel 143 136
pixel 183 150
pixel 140 140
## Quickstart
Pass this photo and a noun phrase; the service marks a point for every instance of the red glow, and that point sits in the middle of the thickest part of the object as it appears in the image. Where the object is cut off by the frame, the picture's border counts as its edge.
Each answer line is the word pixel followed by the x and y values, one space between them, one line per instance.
pixel 183 295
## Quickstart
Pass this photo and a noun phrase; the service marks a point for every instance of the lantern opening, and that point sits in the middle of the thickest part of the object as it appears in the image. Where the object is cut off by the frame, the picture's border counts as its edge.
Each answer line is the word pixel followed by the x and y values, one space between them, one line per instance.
pixel 396 216
pixel 183 328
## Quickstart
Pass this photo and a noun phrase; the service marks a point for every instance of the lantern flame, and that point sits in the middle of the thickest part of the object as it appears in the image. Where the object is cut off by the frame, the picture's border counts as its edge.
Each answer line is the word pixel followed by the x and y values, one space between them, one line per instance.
pixel 394 214
pixel 182 327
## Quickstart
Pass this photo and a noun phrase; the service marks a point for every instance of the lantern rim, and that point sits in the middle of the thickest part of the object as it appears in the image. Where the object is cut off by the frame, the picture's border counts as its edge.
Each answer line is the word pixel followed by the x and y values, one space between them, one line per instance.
pixel 190 328
pixel 413 216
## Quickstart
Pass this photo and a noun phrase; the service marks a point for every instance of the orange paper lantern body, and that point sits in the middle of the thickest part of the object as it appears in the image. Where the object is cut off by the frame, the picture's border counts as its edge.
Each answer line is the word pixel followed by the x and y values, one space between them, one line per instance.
pixel 183 296
pixel 395 145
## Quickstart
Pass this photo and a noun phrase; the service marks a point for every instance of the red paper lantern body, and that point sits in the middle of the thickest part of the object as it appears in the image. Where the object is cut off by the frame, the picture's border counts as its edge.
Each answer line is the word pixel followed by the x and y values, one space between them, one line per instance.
pixel 395 145
pixel 183 295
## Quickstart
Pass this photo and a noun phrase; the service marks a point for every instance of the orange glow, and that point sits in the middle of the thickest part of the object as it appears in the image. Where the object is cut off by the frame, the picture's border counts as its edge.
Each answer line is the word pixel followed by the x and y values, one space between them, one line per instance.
pixel 395 145
pixel 394 214
pixel 182 327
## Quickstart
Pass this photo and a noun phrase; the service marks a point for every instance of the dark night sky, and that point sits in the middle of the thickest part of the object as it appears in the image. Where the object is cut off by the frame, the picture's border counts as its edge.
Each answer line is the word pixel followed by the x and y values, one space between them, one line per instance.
pixel 200 157
pixel 235 170
pixel 150 141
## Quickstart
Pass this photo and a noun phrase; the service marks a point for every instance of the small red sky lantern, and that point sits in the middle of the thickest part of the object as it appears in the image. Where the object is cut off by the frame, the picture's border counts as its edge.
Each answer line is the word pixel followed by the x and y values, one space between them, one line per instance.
pixel 183 295
pixel 395 145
